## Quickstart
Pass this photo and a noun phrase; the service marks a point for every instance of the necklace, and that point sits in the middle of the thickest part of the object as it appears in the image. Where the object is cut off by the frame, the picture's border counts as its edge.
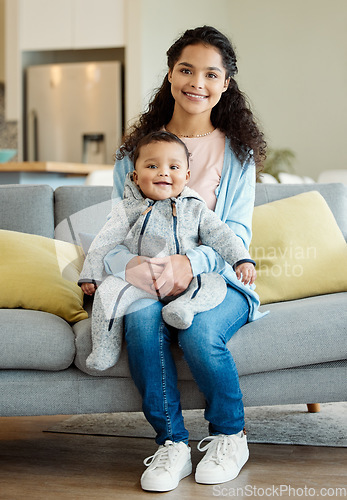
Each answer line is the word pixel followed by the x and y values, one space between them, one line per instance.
pixel 197 135
pixel 191 136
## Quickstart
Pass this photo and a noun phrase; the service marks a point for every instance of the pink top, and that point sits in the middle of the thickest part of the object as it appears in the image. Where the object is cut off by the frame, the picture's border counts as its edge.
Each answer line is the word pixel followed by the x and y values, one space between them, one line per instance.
pixel 206 163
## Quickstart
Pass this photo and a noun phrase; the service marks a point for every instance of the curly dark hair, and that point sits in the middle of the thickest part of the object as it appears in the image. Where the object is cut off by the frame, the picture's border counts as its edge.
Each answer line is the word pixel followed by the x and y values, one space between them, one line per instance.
pixel 232 114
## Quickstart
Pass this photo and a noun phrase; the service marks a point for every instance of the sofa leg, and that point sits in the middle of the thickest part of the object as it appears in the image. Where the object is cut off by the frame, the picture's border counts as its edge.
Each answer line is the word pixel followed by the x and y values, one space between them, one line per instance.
pixel 313 408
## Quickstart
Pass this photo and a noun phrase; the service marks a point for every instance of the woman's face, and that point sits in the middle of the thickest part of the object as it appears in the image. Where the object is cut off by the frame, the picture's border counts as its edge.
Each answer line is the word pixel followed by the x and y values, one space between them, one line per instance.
pixel 198 79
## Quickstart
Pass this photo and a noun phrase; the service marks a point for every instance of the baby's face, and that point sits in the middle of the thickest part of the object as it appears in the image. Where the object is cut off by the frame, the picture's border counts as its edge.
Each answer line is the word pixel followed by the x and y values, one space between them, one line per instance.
pixel 161 170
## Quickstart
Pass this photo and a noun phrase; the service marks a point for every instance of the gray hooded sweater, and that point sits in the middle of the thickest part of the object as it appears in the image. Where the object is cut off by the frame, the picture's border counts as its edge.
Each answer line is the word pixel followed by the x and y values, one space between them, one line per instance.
pixel 159 229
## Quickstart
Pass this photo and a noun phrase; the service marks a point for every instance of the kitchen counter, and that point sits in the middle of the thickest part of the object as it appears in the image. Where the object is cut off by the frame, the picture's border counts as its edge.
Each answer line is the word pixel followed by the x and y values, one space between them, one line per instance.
pixel 52 173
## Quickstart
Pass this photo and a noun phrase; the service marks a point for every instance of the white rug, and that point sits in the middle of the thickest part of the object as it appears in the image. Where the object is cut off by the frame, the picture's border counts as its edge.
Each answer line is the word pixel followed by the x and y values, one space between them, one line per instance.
pixel 289 424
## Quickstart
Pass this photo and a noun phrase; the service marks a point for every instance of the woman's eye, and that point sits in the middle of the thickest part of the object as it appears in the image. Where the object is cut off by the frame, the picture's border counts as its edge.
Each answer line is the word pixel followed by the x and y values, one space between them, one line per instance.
pixel 186 71
pixel 212 75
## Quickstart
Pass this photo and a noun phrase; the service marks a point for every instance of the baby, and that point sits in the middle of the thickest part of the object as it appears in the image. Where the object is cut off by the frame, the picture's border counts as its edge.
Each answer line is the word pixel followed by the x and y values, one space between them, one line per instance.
pixel 159 216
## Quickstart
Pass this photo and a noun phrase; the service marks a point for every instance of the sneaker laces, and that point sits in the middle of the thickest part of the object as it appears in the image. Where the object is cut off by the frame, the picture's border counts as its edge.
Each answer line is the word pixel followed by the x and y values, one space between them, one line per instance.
pixel 164 457
pixel 218 448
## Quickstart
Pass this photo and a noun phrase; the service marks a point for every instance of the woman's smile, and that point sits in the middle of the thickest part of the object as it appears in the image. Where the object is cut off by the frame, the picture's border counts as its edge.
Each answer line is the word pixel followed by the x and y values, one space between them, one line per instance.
pixel 195 97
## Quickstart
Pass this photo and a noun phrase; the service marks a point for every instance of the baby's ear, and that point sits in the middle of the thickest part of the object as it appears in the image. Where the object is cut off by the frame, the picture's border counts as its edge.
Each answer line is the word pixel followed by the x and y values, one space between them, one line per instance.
pixel 135 177
pixel 187 175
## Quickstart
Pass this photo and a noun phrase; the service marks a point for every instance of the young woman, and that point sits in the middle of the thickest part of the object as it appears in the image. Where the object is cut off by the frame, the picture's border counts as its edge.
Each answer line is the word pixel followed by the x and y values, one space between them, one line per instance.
pixel 200 102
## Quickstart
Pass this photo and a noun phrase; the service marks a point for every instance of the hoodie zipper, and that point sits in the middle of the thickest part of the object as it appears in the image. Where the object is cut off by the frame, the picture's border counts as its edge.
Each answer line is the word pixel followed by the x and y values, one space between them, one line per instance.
pixel 174 217
pixel 147 213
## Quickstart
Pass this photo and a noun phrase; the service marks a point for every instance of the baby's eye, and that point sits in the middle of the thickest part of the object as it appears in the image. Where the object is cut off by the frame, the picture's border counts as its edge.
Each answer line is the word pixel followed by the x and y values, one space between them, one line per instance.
pixel 152 166
pixel 174 167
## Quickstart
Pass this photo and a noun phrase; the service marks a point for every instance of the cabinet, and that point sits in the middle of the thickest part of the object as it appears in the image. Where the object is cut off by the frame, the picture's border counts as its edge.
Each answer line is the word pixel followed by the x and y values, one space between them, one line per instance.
pixel 45 24
pixel 98 23
pixel 71 24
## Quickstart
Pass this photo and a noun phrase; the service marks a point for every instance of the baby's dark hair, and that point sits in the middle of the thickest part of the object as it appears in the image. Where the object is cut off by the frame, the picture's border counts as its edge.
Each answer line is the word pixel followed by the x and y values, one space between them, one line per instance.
pixel 158 136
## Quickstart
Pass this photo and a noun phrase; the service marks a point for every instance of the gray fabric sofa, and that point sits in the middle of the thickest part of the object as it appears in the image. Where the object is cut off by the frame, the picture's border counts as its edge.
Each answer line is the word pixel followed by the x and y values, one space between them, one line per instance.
pixel 296 354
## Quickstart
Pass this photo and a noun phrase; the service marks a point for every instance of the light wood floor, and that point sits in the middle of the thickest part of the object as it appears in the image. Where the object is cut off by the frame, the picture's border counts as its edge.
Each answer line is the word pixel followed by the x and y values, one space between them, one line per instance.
pixel 36 465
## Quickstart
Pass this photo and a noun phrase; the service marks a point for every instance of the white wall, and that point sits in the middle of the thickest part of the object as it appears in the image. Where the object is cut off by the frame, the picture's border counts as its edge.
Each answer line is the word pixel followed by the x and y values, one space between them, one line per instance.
pixel 292 65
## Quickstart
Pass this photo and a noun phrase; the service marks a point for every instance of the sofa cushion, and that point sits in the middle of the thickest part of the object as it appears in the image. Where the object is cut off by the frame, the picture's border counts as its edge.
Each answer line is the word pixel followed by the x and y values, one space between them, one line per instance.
pixel 28 209
pixel 299 249
pixel 41 273
pixel 334 194
pixel 297 333
pixel 273 343
pixel 80 209
pixel 35 340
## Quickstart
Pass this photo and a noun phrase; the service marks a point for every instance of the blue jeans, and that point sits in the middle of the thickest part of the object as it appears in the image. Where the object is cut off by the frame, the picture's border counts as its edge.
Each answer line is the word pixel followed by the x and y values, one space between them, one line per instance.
pixel 154 372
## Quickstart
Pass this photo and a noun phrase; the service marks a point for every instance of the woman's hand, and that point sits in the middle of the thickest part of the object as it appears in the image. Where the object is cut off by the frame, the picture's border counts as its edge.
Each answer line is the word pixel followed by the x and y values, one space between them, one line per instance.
pixel 142 274
pixel 176 274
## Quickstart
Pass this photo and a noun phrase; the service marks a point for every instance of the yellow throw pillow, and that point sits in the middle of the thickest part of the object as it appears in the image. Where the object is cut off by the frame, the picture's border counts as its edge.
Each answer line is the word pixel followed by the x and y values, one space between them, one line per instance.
pixel 299 249
pixel 41 273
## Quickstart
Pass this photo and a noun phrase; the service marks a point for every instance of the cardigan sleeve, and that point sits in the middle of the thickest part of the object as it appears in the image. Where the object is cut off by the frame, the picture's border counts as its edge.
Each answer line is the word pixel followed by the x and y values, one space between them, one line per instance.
pixel 120 171
pixel 239 211
pixel 235 203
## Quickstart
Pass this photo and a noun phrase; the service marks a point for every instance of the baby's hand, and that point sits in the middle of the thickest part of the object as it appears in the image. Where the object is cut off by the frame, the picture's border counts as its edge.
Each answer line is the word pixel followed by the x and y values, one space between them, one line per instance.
pixel 88 288
pixel 246 273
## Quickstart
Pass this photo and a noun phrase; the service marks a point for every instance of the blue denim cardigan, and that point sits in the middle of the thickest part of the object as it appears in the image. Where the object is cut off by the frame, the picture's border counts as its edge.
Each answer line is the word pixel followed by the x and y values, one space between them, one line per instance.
pixel 235 202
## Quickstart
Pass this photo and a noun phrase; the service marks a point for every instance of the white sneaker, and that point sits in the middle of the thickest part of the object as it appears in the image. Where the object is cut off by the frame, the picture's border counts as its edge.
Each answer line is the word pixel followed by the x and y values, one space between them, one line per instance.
pixel 225 457
pixel 170 464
